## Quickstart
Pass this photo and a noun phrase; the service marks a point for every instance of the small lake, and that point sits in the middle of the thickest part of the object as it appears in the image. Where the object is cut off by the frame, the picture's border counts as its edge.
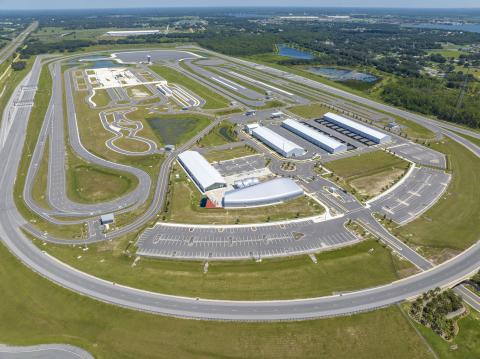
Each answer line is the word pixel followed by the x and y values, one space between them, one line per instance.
pixel 287 51
pixel 100 64
pixel 343 74
pixel 94 58
pixel 454 27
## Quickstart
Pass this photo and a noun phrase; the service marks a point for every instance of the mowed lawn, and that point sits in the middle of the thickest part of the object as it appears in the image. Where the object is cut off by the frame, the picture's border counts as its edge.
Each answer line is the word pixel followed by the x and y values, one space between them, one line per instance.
pixel 101 98
pixel 454 221
pixel 92 184
pixel 35 311
pixel 370 173
pixel 363 265
pixel 212 99
pixel 176 129
pixel 220 134
pixel 228 154
pixel 314 110
pixel 184 207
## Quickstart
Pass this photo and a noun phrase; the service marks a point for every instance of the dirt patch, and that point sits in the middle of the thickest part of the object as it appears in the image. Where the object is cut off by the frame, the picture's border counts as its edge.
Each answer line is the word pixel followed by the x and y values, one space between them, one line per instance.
pixel 377 183
pixel 139 93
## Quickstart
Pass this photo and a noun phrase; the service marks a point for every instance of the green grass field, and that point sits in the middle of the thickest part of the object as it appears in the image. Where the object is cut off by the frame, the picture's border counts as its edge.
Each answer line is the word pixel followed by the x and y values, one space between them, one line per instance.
pixel 368 174
pixel 177 129
pixel 93 184
pixel 40 182
pixel 234 152
pixel 343 269
pixel 470 138
pixel 101 98
pixel 36 311
pixel 131 144
pixel 454 222
pixel 212 99
pixel 220 134
pixel 314 110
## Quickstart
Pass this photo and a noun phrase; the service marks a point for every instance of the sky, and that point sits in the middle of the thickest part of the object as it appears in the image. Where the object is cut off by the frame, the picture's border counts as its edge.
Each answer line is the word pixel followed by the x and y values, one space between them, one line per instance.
pixel 62 4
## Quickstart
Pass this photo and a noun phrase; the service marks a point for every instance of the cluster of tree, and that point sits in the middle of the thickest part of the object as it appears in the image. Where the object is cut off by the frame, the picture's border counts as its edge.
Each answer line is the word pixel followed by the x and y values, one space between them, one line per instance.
pixel 35 47
pixel 431 96
pixel 432 308
pixel 476 279
pixel 18 65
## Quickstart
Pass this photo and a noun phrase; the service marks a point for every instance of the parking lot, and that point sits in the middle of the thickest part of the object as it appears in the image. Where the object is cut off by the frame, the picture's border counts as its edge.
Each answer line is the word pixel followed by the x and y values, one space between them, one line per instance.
pixel 240 165
pixel 420 190
pixel 420 154
pixel 243 242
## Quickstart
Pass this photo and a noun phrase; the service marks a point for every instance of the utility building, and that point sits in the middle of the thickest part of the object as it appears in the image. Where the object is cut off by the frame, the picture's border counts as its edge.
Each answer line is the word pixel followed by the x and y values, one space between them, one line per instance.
pixel 317 138
pixel 358 128
pixel 202 173
pixel 269 192
pixel 278 143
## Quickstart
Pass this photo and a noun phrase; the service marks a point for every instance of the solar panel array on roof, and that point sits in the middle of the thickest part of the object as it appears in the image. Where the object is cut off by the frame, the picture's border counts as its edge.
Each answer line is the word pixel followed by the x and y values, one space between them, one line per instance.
pixel 269 192
pixel 358 128
pixel 202 172
pixel 323 141
pixel 278 143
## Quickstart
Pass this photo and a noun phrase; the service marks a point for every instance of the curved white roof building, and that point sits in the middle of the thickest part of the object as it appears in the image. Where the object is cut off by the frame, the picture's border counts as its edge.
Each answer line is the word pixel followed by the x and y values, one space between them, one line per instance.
pixel 278 143
pixel 317 138
pixel 269 192
pixel 202 173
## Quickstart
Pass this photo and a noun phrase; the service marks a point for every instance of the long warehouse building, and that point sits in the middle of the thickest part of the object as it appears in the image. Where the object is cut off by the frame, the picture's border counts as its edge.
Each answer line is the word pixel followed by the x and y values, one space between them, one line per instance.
pixel 358 128
pixel 269 192
pixel 278 143
pixel 319 139
pixel 202 173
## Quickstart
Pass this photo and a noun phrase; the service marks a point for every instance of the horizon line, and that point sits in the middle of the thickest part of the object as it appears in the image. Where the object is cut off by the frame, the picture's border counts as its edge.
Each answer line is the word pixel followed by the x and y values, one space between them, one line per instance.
pixel 245 7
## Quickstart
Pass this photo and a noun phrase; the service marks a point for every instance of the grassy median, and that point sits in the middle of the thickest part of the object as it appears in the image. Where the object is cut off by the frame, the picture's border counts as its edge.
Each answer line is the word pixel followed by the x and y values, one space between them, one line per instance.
pixel 363 265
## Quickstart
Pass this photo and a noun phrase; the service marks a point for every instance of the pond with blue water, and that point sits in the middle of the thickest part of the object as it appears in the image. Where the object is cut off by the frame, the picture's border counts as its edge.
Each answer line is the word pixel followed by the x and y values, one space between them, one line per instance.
pixel 287 51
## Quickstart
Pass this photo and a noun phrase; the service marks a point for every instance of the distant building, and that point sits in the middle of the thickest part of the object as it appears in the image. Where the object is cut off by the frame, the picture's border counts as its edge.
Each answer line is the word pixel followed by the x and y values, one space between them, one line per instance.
pixel 122 33
pixel 358 128
pixel 269 192
pixel 278 143
pixel 106 219
pixel 202 173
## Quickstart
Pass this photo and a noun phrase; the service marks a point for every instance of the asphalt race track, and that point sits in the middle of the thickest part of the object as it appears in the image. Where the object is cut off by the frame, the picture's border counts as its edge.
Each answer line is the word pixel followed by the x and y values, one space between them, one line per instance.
pixel 447 274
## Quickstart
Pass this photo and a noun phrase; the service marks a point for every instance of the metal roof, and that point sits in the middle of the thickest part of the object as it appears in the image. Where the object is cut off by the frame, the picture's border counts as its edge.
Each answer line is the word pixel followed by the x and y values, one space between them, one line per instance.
pixel 280 142
pixel 198 167
pixel 357 126
pixel 276 190
pixel 314 135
